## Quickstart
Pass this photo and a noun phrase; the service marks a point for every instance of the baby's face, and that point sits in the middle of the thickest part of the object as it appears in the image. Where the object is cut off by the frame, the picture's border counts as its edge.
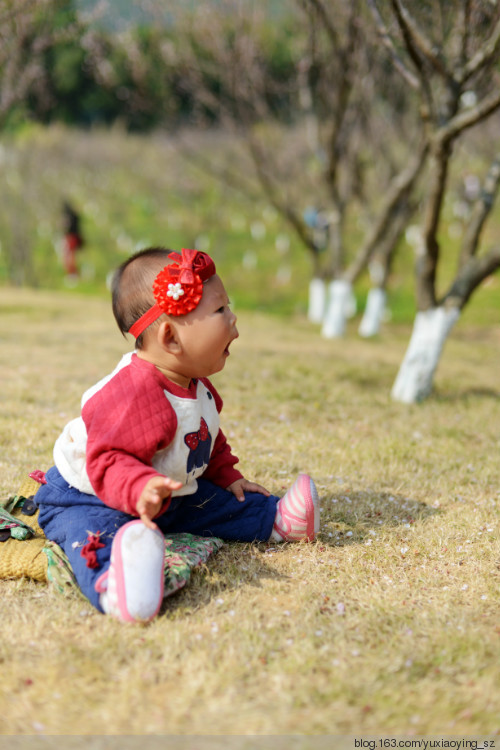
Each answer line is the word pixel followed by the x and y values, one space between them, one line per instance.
pixel 207 332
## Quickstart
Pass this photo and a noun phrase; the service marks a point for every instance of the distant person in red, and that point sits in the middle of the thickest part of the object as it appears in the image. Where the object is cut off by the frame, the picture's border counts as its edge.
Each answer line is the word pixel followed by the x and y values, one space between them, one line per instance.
pixel 73 239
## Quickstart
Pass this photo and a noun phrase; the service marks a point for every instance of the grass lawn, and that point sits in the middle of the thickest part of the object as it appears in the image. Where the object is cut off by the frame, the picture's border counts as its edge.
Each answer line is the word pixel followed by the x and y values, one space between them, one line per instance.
pixel 387 623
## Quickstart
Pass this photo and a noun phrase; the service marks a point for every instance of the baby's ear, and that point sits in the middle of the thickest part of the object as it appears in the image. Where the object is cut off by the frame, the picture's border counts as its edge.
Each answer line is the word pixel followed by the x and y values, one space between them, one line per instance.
pixel 167 337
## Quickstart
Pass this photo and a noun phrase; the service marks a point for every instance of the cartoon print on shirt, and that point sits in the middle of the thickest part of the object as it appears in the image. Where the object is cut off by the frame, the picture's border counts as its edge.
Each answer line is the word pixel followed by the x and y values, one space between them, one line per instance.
pixel 199 444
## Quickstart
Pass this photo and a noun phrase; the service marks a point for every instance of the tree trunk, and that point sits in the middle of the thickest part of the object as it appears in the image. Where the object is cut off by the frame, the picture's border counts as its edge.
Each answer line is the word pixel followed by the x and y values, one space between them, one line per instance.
pixel 430 331
pixel 374 313
pixel 317 300
pixel 339 308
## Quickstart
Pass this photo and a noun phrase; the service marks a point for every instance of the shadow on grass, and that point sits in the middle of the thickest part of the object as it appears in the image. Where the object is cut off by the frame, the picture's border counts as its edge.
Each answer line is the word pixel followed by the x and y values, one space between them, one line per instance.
pixel 234 566
pixel 352 518
pixel 357 516
pixel 371 378
pixel 466 393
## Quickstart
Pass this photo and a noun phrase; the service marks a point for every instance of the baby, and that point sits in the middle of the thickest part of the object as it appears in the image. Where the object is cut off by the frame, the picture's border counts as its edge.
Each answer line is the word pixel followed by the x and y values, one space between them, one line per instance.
pixel 147 457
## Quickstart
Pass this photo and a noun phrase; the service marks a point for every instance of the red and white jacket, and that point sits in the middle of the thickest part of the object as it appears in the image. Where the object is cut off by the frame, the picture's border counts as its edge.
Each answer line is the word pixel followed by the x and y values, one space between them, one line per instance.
pixel 136 424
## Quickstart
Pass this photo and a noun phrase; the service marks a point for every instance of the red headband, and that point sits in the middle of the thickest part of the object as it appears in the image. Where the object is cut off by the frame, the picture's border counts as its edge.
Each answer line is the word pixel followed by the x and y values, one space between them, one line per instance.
pixel 178 288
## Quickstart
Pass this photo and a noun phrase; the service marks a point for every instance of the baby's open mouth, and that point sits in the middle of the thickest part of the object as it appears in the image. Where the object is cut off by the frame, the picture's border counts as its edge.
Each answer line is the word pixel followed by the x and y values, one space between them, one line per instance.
pixel 226 350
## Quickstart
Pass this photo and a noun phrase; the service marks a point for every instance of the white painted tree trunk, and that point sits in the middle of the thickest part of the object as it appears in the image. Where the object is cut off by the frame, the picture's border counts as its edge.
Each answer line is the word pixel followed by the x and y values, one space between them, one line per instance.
pixel 374 313
pixel 317 300
pixel 340 299
pixel 430 331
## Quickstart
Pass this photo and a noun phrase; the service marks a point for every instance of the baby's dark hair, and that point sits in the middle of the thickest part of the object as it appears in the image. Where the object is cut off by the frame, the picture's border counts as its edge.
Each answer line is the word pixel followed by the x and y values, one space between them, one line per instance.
pixel 132 287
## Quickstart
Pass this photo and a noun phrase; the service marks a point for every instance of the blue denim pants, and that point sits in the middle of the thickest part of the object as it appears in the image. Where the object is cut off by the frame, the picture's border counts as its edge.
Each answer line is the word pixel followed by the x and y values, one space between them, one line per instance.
pixel 70 518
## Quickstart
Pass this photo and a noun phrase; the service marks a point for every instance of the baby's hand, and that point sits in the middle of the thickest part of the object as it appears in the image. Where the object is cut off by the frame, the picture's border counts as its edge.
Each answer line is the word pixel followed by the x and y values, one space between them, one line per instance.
pixel 156 490
pixel 242 485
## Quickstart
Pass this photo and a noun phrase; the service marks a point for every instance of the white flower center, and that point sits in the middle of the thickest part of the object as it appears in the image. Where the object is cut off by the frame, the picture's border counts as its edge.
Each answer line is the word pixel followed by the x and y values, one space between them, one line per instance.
pixel 175 291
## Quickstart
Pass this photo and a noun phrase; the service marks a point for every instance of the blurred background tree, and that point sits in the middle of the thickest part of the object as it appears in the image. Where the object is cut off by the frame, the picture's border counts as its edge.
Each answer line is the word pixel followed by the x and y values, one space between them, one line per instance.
pixel 29 31
pixel 326 123
pixel 359 127
pixel 449 54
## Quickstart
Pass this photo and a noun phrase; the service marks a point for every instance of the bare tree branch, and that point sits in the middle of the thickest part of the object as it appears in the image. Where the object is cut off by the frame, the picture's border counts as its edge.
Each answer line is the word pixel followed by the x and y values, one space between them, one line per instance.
pixel 397 195
pixel 228 176
pixel 480 212
pixel 475 271
pixel 323 14
pixel 343 84
pixel 388 43
pixel 464 21
pixel 485 54
pixel 415 57
pixel 470 117
pixel 386 250
pixel 418 44
pixel 273 194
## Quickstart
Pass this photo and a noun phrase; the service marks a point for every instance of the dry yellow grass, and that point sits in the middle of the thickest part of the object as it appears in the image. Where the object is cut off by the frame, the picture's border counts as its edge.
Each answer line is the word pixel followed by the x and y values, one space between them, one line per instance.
pixel 388 623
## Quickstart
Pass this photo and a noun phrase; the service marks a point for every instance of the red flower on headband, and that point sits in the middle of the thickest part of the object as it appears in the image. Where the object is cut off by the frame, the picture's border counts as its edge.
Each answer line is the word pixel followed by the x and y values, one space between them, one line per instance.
pixel 178 288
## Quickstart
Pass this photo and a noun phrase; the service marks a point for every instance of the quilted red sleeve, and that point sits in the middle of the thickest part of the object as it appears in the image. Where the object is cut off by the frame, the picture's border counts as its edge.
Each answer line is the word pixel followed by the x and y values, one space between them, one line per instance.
pixel 221 469
pixel 126 425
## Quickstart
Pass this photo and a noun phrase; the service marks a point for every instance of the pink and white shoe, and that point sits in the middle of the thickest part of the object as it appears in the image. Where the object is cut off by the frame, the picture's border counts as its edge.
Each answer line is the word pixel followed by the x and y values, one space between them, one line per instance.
pixel 297 513
pixel 135 579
